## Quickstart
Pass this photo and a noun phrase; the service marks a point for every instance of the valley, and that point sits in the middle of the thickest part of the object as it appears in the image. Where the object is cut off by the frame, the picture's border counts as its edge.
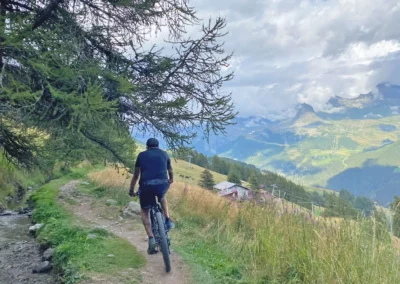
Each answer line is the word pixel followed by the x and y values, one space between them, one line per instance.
pixel 355 146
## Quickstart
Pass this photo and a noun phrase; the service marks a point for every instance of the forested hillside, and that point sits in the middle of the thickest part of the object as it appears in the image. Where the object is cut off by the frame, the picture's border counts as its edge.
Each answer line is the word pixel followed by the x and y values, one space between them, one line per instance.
pixel 356 146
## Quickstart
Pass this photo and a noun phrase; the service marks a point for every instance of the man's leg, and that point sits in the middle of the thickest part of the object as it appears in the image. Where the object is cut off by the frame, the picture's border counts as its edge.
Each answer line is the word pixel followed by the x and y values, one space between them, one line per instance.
pixel 169 224
pixel 161 192
pixel 164 206
pixel 146 199
pixel 146 222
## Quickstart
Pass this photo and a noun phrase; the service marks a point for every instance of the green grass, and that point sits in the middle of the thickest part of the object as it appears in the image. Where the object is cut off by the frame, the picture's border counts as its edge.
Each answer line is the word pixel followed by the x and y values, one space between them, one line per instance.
pixel 7 185
pixel 108 256
pixel 75 254
pixel 208 260
pixel 13 179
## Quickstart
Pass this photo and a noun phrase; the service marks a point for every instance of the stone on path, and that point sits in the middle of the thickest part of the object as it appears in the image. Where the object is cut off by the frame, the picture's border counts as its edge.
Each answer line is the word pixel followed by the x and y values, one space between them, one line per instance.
pixel 44 267
pixel 131 210
pixel 111 202
pixel 48 254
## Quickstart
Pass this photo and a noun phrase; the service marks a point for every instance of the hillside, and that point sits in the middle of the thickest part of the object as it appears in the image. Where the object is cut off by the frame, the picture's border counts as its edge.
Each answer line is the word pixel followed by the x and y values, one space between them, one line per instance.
pixel 355 147
pixel 184 173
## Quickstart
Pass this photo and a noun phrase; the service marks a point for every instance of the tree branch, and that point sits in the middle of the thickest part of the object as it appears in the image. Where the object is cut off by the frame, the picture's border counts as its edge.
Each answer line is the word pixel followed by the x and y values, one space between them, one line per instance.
pixel 45 14
pixel 102 144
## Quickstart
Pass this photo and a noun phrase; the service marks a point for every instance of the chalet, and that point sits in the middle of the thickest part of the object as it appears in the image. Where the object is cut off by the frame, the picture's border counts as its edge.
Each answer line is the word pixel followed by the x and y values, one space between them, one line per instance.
pixel 229 189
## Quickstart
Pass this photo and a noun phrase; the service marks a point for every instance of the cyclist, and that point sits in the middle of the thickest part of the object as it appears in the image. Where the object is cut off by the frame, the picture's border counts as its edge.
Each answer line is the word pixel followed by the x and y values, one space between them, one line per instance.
pixel 155 171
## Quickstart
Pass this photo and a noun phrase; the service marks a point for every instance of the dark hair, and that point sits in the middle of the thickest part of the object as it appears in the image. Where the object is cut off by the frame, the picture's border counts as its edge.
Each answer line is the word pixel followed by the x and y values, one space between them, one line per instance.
pixel 152 142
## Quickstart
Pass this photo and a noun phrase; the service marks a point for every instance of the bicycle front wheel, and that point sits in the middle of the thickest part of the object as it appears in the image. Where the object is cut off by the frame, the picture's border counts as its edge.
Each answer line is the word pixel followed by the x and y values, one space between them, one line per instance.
pixel 163 241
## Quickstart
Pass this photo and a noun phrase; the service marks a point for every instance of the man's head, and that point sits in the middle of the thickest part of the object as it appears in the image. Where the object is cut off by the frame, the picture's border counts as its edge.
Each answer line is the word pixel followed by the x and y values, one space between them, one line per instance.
pixel 152 143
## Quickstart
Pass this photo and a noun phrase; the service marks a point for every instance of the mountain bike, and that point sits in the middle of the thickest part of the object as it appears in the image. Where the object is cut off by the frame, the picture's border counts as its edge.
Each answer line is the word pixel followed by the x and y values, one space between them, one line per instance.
pixel 160 233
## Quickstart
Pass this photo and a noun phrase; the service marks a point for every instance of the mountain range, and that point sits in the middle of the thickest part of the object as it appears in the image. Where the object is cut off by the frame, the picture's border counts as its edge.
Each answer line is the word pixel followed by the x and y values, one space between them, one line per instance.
pixel 353 145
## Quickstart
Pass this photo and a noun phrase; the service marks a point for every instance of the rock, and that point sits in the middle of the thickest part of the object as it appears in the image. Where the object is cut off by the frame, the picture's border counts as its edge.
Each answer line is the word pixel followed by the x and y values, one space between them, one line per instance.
pixel 2 208
pixel 48 254
pixel 44 267
pixel 85 183
pixel 33 229
pixel 8 213
pixel 132 210
pixel 91 236
pixel 111 202
pixel 23 210
pixel 30 188
pixel 111 255
pixel 120 218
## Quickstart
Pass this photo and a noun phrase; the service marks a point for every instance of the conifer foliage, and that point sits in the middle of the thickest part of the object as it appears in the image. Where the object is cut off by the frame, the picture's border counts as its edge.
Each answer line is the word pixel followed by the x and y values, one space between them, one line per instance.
pixel 78 67
pixel 206 179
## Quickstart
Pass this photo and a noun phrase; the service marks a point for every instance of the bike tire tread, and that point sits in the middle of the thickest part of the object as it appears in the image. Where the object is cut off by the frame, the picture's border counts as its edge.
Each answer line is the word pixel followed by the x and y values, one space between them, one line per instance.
pixel 163 241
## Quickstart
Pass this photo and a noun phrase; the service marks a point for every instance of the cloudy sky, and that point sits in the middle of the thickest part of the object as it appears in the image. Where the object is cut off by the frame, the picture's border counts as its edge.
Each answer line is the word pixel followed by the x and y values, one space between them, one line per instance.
pixel 292 51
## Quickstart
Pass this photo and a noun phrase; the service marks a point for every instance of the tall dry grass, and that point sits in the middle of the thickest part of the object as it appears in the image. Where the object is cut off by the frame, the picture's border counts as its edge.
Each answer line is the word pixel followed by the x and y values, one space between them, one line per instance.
pixel 111 178
pixel 274 246
pixel 112 183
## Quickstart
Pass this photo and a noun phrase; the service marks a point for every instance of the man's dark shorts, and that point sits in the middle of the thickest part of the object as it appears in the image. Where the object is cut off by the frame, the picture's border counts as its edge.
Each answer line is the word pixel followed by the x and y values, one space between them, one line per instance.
pixel 150 190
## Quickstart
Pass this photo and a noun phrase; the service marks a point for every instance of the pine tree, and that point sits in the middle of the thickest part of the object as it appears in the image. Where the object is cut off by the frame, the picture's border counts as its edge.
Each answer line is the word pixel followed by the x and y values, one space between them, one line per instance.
pixel 234 178
pixel 216 164
pixel 202 160
pixel 207 179
pixel 253 180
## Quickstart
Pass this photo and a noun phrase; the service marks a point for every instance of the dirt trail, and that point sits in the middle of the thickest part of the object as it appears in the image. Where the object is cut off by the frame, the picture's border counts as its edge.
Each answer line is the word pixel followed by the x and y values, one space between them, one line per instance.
pixel 154 270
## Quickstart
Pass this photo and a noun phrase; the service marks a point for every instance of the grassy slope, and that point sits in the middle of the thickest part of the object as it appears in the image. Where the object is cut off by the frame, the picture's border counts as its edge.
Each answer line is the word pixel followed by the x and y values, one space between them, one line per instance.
pixel 231 243
pixel 11 178
pixel 182 171
pixel 76 255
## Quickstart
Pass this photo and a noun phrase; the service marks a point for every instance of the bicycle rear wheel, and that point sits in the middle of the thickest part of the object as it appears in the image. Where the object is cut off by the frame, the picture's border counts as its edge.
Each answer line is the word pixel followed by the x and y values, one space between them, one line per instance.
pixel 163 241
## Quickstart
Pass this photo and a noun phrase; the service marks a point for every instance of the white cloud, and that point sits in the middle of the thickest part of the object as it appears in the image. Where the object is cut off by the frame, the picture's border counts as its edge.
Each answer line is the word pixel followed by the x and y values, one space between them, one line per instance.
pixel 361 53
pixel 293 51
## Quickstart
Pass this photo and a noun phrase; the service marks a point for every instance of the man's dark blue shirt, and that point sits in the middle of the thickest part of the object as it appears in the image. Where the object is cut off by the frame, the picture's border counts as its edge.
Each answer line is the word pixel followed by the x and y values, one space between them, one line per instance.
pixel 154 164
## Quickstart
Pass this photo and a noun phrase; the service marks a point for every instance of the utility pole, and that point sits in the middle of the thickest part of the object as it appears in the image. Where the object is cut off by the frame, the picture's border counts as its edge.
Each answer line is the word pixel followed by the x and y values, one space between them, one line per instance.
pixel 273 188
pixel 389 216
pixel 312 208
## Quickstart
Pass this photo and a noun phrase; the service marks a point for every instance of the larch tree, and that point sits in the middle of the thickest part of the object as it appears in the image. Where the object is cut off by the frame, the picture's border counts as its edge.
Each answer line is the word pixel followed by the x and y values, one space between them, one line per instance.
pixel 81 69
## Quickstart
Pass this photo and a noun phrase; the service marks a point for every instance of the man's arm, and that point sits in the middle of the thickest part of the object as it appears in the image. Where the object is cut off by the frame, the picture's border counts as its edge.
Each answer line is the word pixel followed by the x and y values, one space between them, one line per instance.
pixel 171 175
pixel 170 171
pixel 134 181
